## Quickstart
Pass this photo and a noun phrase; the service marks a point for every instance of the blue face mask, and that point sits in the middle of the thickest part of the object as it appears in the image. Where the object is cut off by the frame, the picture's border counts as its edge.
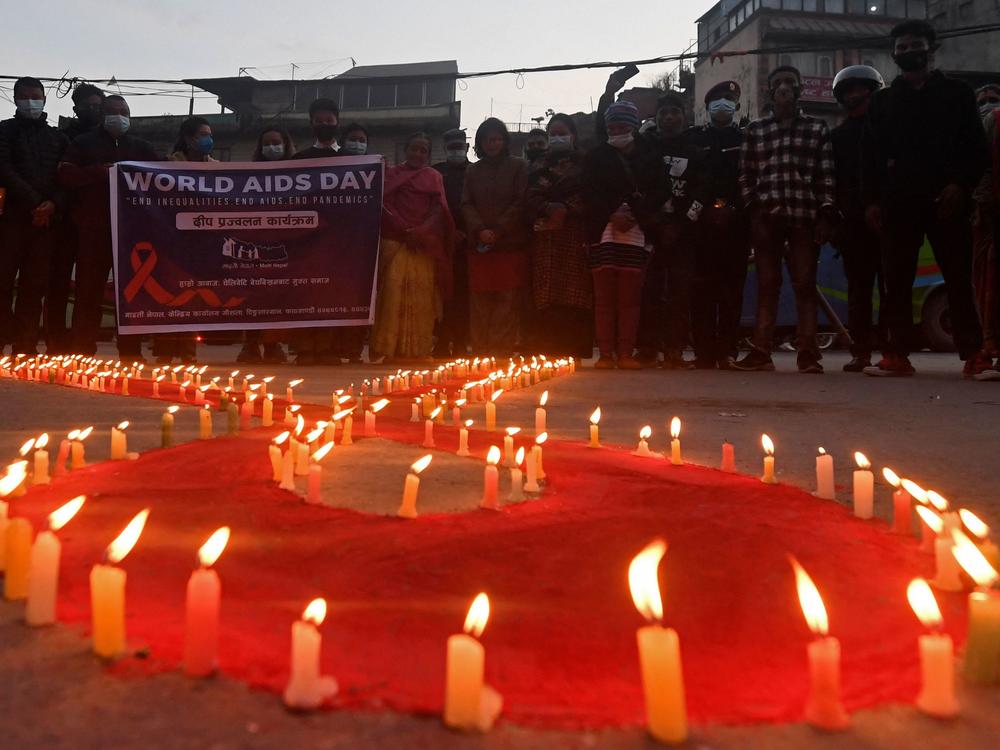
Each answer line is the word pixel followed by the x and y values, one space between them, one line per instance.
pixel 722 106
pixel 273 152
pixel 116 125
pixel 560 142
pixel 357 148
pixel 204 144
pixel 30 108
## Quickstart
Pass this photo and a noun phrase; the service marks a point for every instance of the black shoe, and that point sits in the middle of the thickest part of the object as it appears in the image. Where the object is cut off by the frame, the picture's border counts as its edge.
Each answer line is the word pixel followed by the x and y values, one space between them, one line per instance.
pixel 755 361
pixel 274 354
pixel 809 364
pixel 857 364
pixel 305 359
pixel 726 363
pixel 249 354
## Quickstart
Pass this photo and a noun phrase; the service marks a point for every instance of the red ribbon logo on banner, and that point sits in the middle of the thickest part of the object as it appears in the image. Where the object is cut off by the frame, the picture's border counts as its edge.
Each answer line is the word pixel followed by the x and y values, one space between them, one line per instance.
pixel 143 279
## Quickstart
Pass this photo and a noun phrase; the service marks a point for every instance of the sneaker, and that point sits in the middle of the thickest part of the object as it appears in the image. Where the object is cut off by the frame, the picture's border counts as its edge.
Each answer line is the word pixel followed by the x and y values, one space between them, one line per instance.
pixel 629 363
pixel 605 362
pixel 249 354
pixel 891 366
pixel 808 364
pixel 755 361
pixel 976 364
pixel 858 364
pixel 274 354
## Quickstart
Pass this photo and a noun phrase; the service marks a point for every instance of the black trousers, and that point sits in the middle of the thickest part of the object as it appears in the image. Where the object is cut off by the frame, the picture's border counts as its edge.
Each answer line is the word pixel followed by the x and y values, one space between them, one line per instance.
pixel 951 240
pixel 720 273
pixel 861 250
pixel 57 335
pixel 665 316
pixel 24 255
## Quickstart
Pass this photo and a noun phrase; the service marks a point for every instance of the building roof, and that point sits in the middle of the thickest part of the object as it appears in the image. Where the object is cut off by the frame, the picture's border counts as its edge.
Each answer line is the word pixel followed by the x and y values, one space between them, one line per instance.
pixel 422 69
pixel 801 23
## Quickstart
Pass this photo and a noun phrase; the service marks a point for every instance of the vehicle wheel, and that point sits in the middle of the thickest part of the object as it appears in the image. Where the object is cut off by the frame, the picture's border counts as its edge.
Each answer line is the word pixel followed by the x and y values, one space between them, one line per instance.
pixel 935 322
pixel 825 340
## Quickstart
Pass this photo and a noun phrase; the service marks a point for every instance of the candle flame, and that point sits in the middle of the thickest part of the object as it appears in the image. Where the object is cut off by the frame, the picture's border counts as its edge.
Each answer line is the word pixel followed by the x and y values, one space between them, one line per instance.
pixel 544 399
pixel 26 447
pixel 460 403
pixel 974 524
pixel 519 456
pixel 234 373
pixel 675 428
pixel 923 603
pixel 212 548
pixel 207 407
pixel 282 437
pixel 300 425
pixel 62 515
pixel 642 581
pixel 341 414
pixel 891 477
pixel 862 460
pixel 810 600
pixel 646 433
pixel 493 456
pixel 767 444
pixel 379 405
pixel 125 541
pixel 972 560
pixel 496 394
pixel 315 435
pixel 433 414
pixel 294 383
pixel 914 490
pixel 161 378
pixel 596 416
pixel 541 438
pixel 16 474
pixel 468 423
pixel 937 501
pixel 294 408
pixel 322 452
pixel 315 612
pixel 122 426
pixel 512 431
pixel 173 410
pixel 43 440
pixel 84 434
pixel 421 463
pixel 343 400
pixel 270 397
pixel 479 613
pixel 932 519
pixel 822 451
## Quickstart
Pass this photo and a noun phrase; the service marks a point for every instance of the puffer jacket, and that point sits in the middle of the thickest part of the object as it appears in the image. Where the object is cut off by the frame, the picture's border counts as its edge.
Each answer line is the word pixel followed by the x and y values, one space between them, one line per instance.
pixel 30 151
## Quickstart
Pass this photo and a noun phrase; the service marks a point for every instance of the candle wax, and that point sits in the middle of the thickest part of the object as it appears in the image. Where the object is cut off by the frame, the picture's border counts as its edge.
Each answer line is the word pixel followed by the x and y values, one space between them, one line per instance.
pixel 824 709
pixel 107 603
pixel 314 486
pixel 662 683
pixel 18 543
pixel 728 458
pixel 824 477
pixel 902 516
pixel 463 442
pixel 491 480
pixel 43 581
pixel 675 452
pixel 408 508
pixel 468 703
pixel 201 632
pixel 981 662
pixel 864 493
pixel 769 477
pixel 937 670
pixel 307 688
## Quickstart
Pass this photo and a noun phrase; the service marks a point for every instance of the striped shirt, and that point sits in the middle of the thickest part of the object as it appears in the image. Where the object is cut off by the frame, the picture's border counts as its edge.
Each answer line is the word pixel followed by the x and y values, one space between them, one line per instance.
pixel 788 168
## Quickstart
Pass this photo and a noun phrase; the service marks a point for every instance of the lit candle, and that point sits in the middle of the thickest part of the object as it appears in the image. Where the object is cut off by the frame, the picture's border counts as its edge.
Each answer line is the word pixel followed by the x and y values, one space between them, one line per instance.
pixel 182 390
pixel 288 466
pixel 264 383
pixel 531 485
pixel 13 477
pixel 517 478
pixel 307 688
pixel 65 446
pixel 41 456
pixel 595 436
pixel 415 410
pixel 302 454
pixel 314 488
pixel 156 386
pixel 290 390
pixel 508 446
pixel 119 442
pixel 659 650
pixel 267 410
pixel 370 416
pixel 456 412
pixel 205 422
pixel 429 428
pixel 17 540
pixel 643 448
pixel 540 413
pixel 78 458
pixel 937 661
pixel 43 581
pixel 408 508
pixel 823 708
pixel 864 487
pixel 469 703
pixel 675 442
pixel 728 458
pixel 927 535
pixel 981 662
pixel 491 480
pixel 902 519
pixel 491 411
pixel 274 455
pixel 979 533
pixel 946 577
pixel 824 476
pixel 232 419
pixel 347 437
pixel 463 438
pixel 537 451
pixel 107 591
pixel 167 427
pixel 768 446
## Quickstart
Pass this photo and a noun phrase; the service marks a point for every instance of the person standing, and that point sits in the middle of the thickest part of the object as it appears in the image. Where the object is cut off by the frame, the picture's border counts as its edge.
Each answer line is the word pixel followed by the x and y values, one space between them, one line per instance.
pixel 619 178
pixel 497 240
pixel 535 145
pixel 414 258
pixel 35 204
pixel 84 170
pixel 787 183
pixel 453 331
pixel 722 233
pixel 561 285
pixel 859 245
pixel 923 153
pixel 985 225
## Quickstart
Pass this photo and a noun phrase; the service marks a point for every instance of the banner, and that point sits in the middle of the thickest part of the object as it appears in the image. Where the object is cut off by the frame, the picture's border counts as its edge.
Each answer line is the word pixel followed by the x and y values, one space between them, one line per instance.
pixel 201 246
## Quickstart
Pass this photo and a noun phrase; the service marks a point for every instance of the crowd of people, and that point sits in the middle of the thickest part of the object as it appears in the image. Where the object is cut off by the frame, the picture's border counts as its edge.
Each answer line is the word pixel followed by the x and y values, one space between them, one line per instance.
pixel 640 244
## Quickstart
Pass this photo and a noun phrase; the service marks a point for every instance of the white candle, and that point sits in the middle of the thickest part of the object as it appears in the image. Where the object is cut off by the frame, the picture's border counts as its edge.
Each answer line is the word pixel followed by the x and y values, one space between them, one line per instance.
pixel 78 458
pixel 469 703
pixel 456 412
pixel 537 453
pixel 43 579
pixel 307 688
pixel 205 422
pixel 370 416
pixel 288 467
pixel 411 487
pixel 643 448
pixel 463 438
pixel 429 428
pixel 675 442
pixel 864 488
pixel 314 487
pixel 289 391
pixel 508 446
pixel 491 411
pixel 41 456
pixel 937 661
pixel 824 476
pixel 595 435
pixel 517 478
pixel 415 410
pixel 491 480
pixel 119 441
pixel 274 454
pixel 540 426
pixel 267 411
pixel 107 591
pixel 768 446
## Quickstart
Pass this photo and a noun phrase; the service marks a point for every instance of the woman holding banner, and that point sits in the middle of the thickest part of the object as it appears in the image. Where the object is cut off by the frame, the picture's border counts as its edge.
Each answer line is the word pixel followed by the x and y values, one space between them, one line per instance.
pixel 414 259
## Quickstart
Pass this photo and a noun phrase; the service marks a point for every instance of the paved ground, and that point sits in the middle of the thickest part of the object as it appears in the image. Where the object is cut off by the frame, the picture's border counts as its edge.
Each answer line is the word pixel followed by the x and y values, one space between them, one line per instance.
pixel 935 428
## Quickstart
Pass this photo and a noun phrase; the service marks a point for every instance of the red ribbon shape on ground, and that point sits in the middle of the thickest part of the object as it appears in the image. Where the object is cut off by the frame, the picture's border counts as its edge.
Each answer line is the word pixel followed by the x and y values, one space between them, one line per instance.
pixel 143 279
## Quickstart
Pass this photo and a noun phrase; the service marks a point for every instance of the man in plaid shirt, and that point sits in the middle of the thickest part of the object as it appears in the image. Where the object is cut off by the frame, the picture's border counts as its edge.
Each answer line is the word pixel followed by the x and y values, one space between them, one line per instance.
pixel 787 184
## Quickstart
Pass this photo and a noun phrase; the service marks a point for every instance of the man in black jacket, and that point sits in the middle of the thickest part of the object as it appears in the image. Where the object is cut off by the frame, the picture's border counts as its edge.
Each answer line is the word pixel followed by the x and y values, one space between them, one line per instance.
pixel 923 153
pixel 723 233
pixel 30 150
pixel 85 171
pixel 453 330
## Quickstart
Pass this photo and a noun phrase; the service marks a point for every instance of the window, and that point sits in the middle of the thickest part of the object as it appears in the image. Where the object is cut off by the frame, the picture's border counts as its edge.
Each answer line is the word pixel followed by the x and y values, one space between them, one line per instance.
pixel 834 6
pixel 410 94
pixel 856 7
pixel 895 8
pixel 824 66
pixel 809 5
pixel 440 91
pixel 791 4
pixel 355 96
pixel 383 95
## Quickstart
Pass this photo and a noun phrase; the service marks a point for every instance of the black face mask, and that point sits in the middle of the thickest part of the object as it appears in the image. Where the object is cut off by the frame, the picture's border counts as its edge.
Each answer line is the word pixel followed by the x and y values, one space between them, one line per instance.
pixel 912 61
pixel 87 115
pixel 325 132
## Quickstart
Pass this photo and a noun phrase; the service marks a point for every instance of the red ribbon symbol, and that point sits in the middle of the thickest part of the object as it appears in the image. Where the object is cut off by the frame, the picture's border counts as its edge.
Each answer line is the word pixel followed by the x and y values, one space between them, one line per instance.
pixel 143 279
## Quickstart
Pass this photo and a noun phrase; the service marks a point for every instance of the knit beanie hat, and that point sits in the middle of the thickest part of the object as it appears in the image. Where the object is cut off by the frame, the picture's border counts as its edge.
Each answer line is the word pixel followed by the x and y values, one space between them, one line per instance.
pixel 622 111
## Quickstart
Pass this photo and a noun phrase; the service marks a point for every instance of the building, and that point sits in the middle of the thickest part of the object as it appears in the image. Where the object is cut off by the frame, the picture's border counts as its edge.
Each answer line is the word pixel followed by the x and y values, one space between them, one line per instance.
pixel 391 101
pixel 819 37
pixel 974 58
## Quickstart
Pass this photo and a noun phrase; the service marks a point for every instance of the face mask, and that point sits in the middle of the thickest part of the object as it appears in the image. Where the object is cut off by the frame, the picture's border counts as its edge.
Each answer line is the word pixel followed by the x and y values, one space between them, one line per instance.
pixel 204 144
pixel 30 108
pixel 456 155
pixel 560 142
pixel 722 106
pixel 620 141
pixel 273 152
pixel 325 133
pixel 358 148
pixel 912 61
pixel 116 125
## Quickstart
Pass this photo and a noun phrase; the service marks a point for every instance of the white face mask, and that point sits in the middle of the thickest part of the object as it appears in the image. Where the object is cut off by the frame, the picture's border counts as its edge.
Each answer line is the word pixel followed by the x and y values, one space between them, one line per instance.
pixel 358 148
pixel 722 106
pixel 116 125
pixel 621 141
pixel 30 108
pixel 273 152
pixel 561 142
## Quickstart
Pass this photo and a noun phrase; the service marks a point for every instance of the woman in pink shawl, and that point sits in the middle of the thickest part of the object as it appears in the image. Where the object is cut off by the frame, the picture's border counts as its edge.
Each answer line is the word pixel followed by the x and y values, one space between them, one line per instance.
pixel 414 275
